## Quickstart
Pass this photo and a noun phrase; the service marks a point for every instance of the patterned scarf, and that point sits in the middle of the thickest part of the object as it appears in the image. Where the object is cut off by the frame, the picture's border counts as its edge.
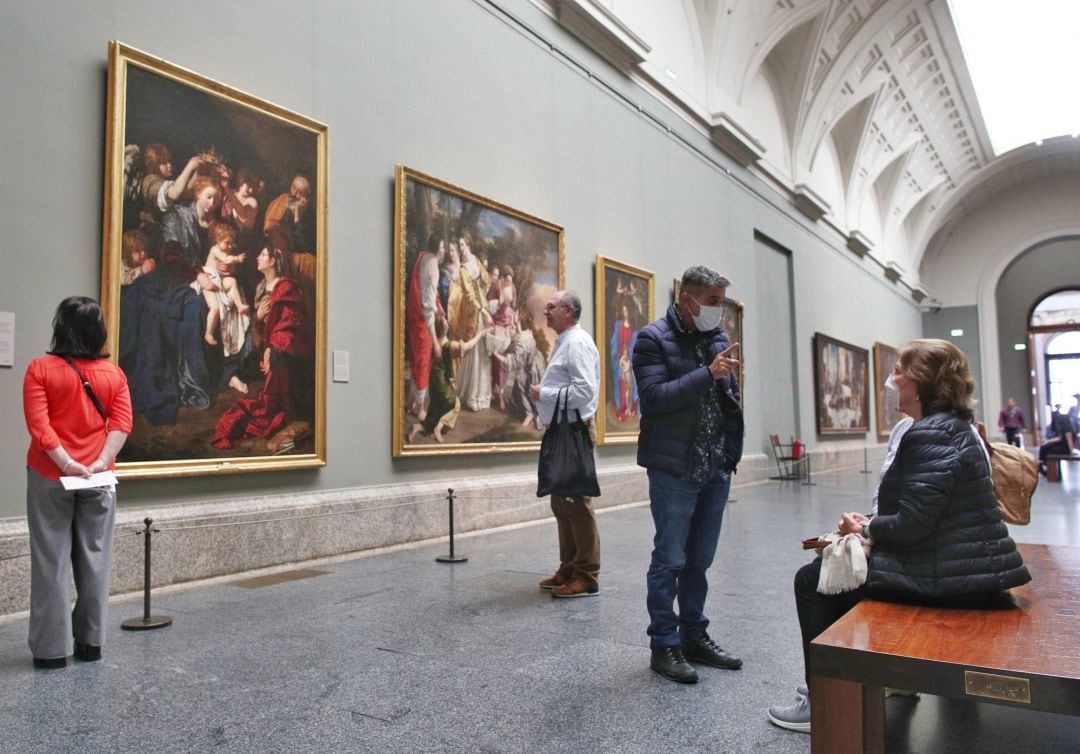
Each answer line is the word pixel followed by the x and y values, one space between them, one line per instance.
pixel 707 448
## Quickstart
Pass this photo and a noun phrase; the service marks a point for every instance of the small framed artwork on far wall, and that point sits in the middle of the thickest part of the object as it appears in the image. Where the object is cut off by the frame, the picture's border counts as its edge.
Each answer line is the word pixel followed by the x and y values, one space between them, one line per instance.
pixel 841 376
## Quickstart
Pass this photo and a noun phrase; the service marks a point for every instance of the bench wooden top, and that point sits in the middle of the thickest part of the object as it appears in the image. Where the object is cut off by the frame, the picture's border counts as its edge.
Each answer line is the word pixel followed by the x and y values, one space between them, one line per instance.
pixel 1039 636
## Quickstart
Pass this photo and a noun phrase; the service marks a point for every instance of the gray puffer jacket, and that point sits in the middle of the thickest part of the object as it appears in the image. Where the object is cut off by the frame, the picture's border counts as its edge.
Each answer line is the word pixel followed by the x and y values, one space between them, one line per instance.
pixel 939 530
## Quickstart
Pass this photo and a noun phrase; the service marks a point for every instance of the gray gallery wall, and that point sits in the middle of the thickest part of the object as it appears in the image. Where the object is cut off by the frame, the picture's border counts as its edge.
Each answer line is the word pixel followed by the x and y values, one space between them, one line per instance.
pixel 491 96
pixel 943 322
pixel 1030 277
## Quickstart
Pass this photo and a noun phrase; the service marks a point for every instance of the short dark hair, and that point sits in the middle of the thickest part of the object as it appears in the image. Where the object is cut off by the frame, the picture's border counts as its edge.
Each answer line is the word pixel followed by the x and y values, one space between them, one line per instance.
pixel 701 278
pixel 79 329
pixel 571 301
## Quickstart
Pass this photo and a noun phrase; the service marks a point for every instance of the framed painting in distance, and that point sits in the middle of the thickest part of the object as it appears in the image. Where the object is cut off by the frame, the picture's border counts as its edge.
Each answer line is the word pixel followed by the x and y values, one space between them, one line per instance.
pixel 625 302
pixel 214 272
pixel 885 358
pixel 471 277
pixel 841 376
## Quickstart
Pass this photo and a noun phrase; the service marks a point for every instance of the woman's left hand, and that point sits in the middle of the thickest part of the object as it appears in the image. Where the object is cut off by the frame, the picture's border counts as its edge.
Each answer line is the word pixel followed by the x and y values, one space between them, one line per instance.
pixel 76 469
pixel 852 523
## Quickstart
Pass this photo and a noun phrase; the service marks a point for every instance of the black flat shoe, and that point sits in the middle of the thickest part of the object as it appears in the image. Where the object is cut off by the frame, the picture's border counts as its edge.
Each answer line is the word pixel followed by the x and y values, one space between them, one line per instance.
pixel 87 652
pixel 53 663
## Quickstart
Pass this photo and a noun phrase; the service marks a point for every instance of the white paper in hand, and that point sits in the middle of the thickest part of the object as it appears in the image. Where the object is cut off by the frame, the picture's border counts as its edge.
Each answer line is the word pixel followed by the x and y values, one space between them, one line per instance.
pixel 101 479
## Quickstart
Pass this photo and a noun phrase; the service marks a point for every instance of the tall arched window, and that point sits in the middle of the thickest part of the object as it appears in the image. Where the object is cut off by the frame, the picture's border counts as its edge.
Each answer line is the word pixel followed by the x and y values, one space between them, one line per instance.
pixel 1063 367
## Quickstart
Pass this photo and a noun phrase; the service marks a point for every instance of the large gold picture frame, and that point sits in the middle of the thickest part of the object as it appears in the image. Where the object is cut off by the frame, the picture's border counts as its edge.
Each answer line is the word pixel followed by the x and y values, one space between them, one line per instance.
pixel 214 272
pixel 471 280
pixel 841 389
pixel 625 303
pixel 885 358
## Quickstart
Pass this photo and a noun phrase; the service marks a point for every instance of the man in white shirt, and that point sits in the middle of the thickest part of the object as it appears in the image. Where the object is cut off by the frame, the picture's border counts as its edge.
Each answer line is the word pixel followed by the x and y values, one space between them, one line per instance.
pixel 574 367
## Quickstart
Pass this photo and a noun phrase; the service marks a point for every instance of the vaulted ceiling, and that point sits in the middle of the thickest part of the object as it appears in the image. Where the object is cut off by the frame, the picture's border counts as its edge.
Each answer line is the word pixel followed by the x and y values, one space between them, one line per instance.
pixel 860 112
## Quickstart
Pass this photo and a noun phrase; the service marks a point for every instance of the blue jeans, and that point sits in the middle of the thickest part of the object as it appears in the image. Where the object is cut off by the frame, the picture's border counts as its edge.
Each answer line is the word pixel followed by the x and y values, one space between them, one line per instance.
pixel 687 516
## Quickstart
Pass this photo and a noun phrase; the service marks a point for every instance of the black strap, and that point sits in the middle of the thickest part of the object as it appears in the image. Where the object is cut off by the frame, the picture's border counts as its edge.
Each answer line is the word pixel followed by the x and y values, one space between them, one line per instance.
pixel 86 386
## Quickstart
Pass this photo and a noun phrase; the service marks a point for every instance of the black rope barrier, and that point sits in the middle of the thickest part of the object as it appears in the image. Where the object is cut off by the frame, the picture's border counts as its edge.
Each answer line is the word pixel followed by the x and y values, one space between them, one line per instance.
pixel 148 621
pixel 451 558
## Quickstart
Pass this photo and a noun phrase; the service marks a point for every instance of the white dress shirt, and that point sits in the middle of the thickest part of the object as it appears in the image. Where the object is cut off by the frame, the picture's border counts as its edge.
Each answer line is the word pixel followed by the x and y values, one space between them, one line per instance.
pixel 574 364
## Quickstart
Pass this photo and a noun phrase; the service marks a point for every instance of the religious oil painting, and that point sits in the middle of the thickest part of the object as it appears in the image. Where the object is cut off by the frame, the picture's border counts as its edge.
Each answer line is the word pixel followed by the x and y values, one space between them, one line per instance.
pixel 214 272
pixel 885 358
pixel 841 375
pixel 625 303
pixel 470 337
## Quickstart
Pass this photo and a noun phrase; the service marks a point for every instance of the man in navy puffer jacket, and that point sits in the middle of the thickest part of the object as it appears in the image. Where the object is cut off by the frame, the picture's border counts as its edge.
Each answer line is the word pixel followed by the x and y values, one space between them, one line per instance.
pixel 690 442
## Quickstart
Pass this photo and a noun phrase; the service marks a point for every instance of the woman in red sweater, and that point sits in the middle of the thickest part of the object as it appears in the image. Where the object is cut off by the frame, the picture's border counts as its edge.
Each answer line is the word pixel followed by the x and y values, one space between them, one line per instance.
pixel 71 531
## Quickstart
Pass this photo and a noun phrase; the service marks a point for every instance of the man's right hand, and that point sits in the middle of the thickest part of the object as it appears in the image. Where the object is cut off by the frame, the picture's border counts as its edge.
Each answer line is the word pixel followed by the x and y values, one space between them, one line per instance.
pixel 723 365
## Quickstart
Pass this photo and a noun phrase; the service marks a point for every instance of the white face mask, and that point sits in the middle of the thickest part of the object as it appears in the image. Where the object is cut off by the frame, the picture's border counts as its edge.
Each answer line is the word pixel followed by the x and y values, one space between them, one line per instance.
pixel 892 395
pixel 708 318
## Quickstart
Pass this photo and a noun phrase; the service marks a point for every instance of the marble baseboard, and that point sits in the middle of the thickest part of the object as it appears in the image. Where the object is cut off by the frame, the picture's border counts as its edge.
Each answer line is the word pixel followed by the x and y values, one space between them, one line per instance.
pixel 204 540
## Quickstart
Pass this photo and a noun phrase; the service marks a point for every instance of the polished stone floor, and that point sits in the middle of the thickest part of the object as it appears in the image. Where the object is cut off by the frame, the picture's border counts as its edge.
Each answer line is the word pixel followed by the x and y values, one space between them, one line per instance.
pixel 393 652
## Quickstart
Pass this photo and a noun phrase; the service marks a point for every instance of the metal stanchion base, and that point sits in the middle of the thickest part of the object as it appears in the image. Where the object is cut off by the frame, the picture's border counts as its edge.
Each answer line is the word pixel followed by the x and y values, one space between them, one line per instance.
pixel 451 558
pixel 145 624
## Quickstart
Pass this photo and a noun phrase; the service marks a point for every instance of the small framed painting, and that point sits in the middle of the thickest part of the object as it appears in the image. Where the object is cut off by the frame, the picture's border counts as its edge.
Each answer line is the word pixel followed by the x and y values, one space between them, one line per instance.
pixel 841 380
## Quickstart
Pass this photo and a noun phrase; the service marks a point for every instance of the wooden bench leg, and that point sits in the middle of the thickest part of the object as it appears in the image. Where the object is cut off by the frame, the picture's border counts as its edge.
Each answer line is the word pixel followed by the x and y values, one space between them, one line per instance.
pixel 846 717
pixel 1053 471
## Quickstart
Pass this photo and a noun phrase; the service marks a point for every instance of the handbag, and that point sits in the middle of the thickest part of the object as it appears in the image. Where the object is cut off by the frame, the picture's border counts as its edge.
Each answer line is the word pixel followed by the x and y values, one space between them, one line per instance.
pixel 567 466
pixel 1016 474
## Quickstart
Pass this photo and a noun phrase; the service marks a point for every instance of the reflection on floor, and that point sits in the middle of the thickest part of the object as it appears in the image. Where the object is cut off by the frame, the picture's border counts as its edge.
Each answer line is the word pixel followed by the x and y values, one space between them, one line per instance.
pixel 394 652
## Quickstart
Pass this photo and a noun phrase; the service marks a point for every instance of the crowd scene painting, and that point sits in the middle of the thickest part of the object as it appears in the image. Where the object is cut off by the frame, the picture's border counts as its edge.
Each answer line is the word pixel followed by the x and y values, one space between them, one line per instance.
pixel 887 414
pixel 470 335
pixel 216 267
pixel 624 304
pixel 841 380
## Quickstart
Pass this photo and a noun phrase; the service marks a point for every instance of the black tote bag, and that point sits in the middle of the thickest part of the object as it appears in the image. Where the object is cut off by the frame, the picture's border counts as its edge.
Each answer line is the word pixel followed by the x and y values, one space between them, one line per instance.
pixel 567 466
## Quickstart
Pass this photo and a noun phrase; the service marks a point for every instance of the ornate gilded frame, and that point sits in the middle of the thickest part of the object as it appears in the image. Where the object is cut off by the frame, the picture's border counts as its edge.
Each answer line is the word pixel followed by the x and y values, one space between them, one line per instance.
pixel 534 250
pixel 841 384
pixel 154 101
pixel 885 358
pixel 617 285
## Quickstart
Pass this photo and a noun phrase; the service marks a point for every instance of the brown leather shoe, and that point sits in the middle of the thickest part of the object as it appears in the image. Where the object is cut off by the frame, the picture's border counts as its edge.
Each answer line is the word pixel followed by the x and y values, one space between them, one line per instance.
pixel 556 579
pixel 576 588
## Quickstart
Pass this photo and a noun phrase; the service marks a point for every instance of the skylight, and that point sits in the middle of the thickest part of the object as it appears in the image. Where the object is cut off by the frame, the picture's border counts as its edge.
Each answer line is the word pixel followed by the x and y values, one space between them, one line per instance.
pixel 1023 59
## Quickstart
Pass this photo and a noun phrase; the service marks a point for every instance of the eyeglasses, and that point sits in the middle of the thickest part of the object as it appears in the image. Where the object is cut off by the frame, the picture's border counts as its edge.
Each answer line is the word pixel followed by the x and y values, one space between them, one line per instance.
pixel 552 307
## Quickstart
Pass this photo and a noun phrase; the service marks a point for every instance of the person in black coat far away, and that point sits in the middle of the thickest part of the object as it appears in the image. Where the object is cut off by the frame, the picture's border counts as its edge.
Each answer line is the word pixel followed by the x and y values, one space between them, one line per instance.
pixel 938 538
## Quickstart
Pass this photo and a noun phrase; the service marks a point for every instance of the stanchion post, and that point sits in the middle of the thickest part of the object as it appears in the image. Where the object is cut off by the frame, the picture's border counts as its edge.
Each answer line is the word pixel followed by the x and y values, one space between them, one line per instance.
pixel 865 462
pixel 451 558
pixel 148 621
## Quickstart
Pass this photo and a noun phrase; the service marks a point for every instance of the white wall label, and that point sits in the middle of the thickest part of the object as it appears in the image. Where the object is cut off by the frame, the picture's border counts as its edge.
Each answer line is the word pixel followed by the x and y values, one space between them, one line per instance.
pixel 341 366
pixel 7 339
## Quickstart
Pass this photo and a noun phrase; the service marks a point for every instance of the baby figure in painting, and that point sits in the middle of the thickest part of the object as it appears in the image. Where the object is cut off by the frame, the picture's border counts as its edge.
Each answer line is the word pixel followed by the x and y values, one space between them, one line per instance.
pixel 135 259
pixel 227 308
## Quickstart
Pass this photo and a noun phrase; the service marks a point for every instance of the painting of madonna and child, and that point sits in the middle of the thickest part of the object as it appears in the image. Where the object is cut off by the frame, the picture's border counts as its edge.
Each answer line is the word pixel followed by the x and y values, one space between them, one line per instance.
pixel 214 272
pixel 624 304
pixel 471 280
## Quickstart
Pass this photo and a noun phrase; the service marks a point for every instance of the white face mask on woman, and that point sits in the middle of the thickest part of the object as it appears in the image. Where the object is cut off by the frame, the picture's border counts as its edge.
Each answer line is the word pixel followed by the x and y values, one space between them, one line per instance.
pixel 892 395
pixel 708 318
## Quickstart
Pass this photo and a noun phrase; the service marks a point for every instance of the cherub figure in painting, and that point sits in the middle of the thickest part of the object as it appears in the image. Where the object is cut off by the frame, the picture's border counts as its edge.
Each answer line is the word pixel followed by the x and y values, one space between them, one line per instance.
pixel 227 309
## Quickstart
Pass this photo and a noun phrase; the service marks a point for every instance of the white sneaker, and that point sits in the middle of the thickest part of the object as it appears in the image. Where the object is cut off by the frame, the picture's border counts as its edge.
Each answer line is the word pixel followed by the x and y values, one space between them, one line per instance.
pixel 793 716
pixel 802 691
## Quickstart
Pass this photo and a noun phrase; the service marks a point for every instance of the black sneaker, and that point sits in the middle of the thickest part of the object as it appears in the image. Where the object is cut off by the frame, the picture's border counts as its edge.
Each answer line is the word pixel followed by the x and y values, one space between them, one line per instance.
pixel 702 649
pixel 670 663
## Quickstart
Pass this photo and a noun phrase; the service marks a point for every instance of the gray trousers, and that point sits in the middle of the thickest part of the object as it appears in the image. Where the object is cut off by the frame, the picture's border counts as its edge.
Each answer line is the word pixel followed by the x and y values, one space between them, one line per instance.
pixel 71 535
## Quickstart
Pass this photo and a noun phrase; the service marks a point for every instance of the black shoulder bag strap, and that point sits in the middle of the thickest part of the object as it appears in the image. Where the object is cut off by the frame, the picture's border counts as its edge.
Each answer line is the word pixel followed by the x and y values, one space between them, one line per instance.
pixel 86 386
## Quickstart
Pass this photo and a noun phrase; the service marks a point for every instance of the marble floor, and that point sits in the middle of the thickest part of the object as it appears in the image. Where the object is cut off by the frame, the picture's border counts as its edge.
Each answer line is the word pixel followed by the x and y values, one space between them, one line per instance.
pixel 393 652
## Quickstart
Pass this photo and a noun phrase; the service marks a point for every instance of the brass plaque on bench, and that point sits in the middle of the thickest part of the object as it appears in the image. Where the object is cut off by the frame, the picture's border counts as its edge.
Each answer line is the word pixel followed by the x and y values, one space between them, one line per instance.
pixel 1005 687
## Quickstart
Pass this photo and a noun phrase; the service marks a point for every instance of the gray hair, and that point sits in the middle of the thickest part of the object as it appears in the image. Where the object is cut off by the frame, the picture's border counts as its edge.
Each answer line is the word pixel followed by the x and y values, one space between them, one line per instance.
pixel 702 278
pixel 572 301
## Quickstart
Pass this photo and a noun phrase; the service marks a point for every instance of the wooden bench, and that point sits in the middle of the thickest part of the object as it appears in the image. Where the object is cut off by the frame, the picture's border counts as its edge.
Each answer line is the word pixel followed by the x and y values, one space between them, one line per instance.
pixel 1053 466
pixel 1026 656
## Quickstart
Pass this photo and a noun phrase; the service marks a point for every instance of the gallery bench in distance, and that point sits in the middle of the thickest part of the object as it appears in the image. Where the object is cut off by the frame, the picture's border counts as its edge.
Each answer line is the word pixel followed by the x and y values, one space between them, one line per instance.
pixel 1053 466
pixel 1026 656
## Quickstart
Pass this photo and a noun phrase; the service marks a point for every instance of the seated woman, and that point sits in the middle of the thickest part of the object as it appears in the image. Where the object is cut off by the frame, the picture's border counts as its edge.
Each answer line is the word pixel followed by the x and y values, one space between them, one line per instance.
pixel 938 538
pixel 1062 443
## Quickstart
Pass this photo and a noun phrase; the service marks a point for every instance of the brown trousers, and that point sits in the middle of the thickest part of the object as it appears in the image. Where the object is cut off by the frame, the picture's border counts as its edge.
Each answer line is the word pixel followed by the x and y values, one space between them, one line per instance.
pixel 579 539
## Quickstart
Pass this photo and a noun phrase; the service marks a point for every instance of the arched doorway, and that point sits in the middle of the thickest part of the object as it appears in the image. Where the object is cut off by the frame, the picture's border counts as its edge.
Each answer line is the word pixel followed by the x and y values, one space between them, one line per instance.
pixel 1054 349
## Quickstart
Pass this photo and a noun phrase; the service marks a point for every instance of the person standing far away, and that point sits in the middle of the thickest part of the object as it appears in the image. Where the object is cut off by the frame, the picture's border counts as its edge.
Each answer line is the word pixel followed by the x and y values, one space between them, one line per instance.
pixel 574 369
pixel 690 442
pixel 1011 421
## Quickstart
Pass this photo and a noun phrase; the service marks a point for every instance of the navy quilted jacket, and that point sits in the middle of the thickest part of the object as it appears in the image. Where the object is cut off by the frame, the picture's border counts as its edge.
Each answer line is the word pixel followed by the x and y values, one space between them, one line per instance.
pixel 670 387
pixel 939 530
